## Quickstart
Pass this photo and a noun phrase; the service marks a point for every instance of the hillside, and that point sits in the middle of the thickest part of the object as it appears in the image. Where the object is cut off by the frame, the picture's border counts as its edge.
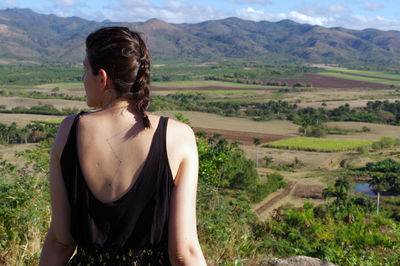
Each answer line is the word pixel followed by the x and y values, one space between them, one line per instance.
pixel 25 34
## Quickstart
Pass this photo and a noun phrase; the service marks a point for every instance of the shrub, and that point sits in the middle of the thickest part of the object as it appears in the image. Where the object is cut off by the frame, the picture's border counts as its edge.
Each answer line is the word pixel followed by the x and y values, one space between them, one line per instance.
pixel 363 149
pixel 274 182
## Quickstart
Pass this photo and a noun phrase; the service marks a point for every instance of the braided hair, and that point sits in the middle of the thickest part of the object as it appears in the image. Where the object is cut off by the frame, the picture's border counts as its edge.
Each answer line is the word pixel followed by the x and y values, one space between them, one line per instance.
pixel 123 55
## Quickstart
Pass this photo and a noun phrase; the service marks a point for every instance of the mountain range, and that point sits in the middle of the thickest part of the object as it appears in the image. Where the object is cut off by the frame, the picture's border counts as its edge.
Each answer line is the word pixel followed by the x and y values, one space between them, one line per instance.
pixel 25 34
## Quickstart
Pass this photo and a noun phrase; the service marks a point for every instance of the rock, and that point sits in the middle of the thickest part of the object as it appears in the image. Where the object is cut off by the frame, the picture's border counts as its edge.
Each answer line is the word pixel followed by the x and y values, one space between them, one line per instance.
pixel 296 261
pixel 292 261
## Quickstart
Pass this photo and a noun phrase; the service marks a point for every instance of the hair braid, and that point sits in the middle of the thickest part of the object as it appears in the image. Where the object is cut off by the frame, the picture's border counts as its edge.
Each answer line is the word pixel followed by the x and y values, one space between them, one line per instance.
pixel 141 87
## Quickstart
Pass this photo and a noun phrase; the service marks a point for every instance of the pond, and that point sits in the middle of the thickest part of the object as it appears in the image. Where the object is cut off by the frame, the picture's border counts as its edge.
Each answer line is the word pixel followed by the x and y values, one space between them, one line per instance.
pixel 363 188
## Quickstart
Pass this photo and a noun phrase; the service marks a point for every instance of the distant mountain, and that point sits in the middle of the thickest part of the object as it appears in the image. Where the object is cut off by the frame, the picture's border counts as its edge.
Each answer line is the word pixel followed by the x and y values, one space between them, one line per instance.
pixel 25 34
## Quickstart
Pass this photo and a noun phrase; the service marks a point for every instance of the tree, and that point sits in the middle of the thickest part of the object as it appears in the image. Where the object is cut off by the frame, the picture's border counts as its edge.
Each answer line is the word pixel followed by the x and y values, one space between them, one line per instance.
pixel 328 193
pixel 268 160
pixel 339 192
pixel 181 118
pixel 377 183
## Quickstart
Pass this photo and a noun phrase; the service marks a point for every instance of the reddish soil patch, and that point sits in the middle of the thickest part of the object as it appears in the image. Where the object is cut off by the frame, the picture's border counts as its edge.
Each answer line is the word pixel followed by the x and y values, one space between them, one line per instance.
pixel 246 138
pixel 319 81
pixel 308 191
pixel 277 198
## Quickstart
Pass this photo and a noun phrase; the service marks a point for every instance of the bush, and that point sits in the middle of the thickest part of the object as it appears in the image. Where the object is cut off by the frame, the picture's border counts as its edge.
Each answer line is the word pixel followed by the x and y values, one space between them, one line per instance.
pixel 363 149
pixel 365 129
pixel 274 182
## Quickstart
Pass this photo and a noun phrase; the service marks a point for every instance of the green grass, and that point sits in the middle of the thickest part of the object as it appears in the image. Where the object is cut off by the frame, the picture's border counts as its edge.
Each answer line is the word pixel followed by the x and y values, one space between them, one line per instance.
pixel 62 85
pixel 358 78
pixel 205 83
pixel 369 73
pixel 317 144
pixel 50 121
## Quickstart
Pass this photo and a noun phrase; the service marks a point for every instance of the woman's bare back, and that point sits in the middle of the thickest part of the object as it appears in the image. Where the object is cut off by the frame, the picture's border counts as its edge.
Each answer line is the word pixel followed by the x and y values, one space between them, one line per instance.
pixel 112 149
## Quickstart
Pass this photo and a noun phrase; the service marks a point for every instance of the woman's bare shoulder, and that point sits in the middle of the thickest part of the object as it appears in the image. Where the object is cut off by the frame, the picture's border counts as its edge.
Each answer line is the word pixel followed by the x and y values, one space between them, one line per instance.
pixel 62 134
pixel 179 131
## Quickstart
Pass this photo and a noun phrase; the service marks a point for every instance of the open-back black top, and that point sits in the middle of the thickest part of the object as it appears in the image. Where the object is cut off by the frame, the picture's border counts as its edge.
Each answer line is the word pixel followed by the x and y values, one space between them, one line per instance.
pixel 139 219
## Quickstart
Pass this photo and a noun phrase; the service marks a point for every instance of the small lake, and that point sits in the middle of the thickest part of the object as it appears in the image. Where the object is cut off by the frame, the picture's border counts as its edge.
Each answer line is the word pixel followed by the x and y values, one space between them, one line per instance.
pixel 363 188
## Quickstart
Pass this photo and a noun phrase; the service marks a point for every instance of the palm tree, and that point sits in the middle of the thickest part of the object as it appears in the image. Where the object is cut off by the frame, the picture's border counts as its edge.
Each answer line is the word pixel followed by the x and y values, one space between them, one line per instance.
pixel 339 192
pixel 328 193
pixel 377 183
pixel 342 184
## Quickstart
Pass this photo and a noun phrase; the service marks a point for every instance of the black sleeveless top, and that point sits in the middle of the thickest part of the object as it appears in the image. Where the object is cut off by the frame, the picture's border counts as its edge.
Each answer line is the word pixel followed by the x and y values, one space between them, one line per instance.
pixel 139 219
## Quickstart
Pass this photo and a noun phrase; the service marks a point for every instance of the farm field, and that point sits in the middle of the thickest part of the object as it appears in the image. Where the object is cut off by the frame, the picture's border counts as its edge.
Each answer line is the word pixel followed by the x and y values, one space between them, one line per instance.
pixel 337 80
pixel 367 73
pixel 364 78
pixel 204 83
pixel 213 121
pixel 318 144
pixel 11 102
pixel 377 130
pixel 23 119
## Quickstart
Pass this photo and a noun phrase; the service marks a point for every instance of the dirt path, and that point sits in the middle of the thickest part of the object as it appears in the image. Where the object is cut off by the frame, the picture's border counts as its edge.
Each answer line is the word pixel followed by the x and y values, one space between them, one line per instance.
pixel 273 200
pixel 298 189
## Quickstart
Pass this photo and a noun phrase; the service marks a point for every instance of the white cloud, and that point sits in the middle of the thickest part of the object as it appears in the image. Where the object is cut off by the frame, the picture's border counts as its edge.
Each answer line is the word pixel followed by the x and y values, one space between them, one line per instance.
pixel 64 3
pixel 337 16
pixel 308 19
pixel 258 15
pixel 337 8
pixel 135 3
pixel 251 14
pixel 9 3
pixel 173 12
pixel 318 9
pixel 372 6
pixel 361 22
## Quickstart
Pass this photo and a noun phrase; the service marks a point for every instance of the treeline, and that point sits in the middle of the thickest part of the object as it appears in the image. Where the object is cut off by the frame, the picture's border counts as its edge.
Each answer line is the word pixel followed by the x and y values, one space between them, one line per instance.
pixel 42 95
pixel 374 112
pixel 43 109
pixel 232 71
pixel 31 133
pixel 38 74
pixel 387 174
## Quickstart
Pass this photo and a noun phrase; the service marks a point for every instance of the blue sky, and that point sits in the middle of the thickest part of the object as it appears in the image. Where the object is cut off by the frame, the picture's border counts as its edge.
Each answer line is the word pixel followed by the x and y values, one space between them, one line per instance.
pixel 354 14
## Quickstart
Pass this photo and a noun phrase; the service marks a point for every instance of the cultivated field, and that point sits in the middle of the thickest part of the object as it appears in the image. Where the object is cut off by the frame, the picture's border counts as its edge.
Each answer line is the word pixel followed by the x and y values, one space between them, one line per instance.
pixel 23 119
pixel 377 130
pixel 318 144
pixel 337 80
pixel 11 102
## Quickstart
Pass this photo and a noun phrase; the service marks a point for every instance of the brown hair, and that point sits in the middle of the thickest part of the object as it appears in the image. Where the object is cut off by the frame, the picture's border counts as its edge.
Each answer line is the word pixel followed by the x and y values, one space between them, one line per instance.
pixel 123 55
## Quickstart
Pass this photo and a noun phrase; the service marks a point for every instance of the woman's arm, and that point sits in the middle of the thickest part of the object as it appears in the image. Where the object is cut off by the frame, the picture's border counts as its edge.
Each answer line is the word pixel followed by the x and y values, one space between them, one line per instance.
pixel 59 244
pixel 183 244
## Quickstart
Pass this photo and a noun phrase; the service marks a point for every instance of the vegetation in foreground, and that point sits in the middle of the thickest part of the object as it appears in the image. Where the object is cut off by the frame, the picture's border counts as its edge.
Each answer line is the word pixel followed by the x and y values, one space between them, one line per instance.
pixel 347 232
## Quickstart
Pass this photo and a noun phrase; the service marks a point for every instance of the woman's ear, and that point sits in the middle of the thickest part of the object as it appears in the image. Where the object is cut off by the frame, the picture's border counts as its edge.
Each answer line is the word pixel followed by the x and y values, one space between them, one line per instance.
pixel 102 79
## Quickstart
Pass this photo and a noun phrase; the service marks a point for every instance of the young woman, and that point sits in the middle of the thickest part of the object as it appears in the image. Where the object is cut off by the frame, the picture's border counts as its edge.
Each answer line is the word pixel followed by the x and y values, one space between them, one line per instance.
pixel 122 182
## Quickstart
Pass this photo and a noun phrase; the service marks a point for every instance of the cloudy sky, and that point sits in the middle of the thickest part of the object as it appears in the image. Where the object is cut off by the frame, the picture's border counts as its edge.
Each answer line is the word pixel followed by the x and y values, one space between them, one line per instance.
pixel 354 14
